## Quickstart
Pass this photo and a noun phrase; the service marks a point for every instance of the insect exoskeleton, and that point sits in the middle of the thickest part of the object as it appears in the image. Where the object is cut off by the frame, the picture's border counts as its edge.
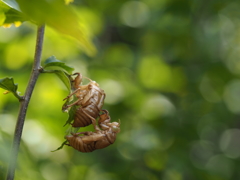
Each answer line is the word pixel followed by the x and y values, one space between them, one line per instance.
pixel 91 141
pixel 105 122
pixel 90 99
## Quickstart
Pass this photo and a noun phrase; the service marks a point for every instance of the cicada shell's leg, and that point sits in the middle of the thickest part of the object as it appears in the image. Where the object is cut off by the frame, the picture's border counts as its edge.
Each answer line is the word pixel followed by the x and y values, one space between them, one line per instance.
pixel 101 101
pixel 70 105
pixel 104 120
pixel 88 79
pixel 70 95
pixel 93 137
pixel 88 96
pixel 76 91
pixel 83 87
pixel 93 121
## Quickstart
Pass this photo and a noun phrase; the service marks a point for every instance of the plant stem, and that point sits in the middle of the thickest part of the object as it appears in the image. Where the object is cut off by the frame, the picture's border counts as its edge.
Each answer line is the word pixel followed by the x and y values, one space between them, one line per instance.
pixel 24 104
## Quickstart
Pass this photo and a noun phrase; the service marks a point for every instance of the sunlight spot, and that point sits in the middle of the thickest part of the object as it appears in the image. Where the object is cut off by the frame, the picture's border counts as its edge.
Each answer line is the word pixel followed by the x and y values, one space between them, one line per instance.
pixel 154 73
pixel 233 61
pixel 40 142
pixel 201 152
pixel 33 133
pixel 114 91
pixel 7 123
pixel 230 144
pixel 156 106
pixel 134 13
pixel 53 171
pixel 172 174
pixel 220 165
pixel 231 96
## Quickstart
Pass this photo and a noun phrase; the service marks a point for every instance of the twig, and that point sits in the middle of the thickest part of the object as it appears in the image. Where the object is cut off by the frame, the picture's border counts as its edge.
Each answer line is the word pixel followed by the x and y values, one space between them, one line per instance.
pixel 24 104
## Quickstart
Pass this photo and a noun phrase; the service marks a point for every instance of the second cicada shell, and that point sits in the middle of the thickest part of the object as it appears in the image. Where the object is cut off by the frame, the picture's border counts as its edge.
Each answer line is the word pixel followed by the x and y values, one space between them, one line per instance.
pixel 100 139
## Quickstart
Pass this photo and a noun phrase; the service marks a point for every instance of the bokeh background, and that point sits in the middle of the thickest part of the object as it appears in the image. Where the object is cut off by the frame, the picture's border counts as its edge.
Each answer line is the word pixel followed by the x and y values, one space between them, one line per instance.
pixel 170 70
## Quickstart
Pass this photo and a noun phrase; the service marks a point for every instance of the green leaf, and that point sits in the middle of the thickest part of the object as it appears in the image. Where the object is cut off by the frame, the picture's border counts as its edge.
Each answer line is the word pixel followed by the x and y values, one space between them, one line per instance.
pixel 60 69
pixel 72 111
pixel 9 15
pixel 64 77
pixel 60 146
pixel 55 63
pixel 71 114
pixel 8 84
pixel 59 16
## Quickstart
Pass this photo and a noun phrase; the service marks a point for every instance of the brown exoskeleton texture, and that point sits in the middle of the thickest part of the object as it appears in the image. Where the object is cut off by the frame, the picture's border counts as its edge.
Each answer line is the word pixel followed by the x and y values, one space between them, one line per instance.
pixel 99 139
pixel 90 98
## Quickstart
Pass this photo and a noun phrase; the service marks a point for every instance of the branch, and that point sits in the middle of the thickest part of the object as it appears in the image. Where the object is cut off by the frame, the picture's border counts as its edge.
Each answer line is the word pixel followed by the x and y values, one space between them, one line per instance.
pixel 24 104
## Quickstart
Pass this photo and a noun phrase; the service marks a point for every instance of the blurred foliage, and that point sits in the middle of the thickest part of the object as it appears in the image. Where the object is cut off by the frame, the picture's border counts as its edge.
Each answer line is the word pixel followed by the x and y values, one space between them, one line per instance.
pixel 58 16
pixel 55 14
pixel 9 15
pixel 171 72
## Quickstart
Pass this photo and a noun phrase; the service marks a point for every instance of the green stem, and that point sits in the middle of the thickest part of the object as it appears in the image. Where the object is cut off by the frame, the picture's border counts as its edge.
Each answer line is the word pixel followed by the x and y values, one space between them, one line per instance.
pixel 24 104
pixel 20 98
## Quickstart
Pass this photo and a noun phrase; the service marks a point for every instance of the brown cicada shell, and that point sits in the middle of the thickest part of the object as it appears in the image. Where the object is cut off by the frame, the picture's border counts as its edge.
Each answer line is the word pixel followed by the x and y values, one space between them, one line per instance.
pixel 90 98
pixel 100 139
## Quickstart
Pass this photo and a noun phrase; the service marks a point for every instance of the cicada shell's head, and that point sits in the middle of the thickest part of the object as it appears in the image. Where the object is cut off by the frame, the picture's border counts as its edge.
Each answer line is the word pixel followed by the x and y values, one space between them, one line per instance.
pixel 115 126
